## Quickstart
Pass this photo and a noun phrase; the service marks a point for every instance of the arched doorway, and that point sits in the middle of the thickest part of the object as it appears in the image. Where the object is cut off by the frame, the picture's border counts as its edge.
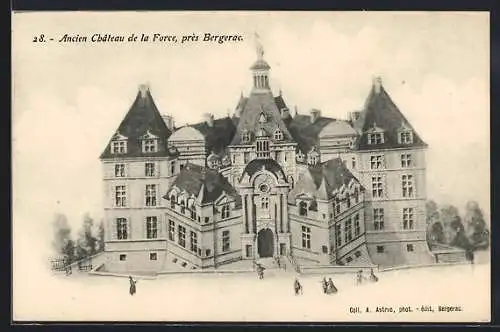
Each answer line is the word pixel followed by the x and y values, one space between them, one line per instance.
pixel 265 243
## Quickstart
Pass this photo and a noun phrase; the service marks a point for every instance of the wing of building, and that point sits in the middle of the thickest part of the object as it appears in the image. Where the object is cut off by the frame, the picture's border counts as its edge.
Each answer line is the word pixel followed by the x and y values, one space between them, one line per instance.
pixel 263 183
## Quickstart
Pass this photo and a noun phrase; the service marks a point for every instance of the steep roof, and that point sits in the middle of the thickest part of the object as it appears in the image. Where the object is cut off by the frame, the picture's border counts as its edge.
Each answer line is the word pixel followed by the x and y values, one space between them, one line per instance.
pixel 306 133
pixel 260 64
pixel 380 111
pixel 325 178
pixel 142 117
pixel 259 164
pixel 260 103
pixel 205 183
pixel 218 136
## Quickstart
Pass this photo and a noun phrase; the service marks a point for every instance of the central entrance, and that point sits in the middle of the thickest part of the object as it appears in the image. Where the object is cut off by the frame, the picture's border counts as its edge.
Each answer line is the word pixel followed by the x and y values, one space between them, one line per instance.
pixel 265 243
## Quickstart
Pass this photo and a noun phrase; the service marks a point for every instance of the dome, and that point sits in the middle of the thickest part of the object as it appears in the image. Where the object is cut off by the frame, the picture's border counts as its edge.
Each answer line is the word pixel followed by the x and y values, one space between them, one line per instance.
pixel 260 64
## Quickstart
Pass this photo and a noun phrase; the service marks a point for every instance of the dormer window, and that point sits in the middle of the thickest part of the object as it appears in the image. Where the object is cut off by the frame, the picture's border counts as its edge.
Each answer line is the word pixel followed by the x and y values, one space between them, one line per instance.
pixel 119 147
pixel 262 118
pixel 149 145
pixel 376 138
pixel 278 135
pixel 245 136
pixel 405 134
pixel 375 135
pixel 405 137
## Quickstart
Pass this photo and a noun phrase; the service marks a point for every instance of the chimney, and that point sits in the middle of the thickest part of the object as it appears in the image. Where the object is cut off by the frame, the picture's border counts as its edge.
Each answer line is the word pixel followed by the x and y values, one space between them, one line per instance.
pixel 377 84
pixel 169 121
pixel 353 116
pixel 209 119
pixel 143 88
pixel 315 114
pixel 285 113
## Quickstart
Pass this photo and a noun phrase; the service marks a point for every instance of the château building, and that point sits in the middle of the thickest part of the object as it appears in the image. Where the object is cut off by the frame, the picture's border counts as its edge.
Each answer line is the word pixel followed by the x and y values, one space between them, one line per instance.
pixel 263 182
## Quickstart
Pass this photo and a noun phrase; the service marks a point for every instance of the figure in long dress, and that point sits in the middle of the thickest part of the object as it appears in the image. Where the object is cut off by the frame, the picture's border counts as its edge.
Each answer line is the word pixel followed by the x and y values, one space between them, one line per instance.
pixel 359 277
pixel 132 285
pixel 331 289
pixel 324 283
pixel 297 287
pixel 373 277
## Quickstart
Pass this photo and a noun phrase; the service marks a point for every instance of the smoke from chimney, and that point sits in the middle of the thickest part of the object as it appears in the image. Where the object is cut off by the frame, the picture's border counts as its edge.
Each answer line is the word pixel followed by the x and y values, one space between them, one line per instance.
pixel 315 114
pixel 209 119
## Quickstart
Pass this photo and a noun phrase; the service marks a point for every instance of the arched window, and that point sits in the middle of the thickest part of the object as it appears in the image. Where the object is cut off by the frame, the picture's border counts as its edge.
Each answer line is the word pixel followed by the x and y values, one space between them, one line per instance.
pixel 303 208
pixel 172 202
pixel 183 206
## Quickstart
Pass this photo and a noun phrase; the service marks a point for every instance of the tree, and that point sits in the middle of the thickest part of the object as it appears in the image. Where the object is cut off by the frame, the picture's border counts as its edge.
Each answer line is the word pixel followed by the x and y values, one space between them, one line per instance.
pixel 452 223
pixel 435 233
pixel 432 212
pixel 475 227
pixel 86 243
pixel 62 242
pixel 100 237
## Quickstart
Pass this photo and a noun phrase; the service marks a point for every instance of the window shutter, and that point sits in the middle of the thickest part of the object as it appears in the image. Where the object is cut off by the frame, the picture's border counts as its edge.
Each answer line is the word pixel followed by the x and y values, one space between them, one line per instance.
pixel 113 233
pixel 145 231
pixel 129 229
pixel 384 185
pixel 414 183
pixel 159 224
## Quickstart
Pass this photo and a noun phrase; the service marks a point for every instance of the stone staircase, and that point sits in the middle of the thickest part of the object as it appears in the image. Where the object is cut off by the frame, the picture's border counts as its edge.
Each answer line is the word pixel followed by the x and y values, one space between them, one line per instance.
pixel 286 266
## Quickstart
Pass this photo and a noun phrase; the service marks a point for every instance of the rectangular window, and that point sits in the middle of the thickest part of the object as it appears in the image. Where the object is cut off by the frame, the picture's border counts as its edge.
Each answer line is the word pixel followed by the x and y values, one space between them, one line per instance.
pixel 380 249
pixel 225 212
pixel 324 249
pixel 121 228
pixel 193 212
pixel 407 185
pixel 153 256
pixel 120 196
pixel 408 221
pixel 248 250
pixel 357 226
pixel 207 220
pixel 377 187
pixel 306 237
pixel 338 235
pixel 406 137
pixel 208 252
pixel 348 230
pixel 171 230
pixel 406 160
pixel 194 242
pixel 149 169
pixel 225 241
pixel 120 170
pixel 376 138
pixel 182 236
pixel 151 227
pixel 151 195
pixel 150 145
pixel 409 247
pixel 246 157
pixel 123 257
pixel 264 202
pixel 119 147
pixel 378 219
pixel 377 162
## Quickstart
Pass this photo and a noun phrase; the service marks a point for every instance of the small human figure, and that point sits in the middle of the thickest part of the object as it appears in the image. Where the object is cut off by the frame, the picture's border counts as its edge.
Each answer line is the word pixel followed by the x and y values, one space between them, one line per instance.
pixel 284 266
pixel 69 271
pixel 132 285
pixel 297 287
pixel 373 277
pixel 359 277
pixel 331 289
pixel 260 271
pixel 324 283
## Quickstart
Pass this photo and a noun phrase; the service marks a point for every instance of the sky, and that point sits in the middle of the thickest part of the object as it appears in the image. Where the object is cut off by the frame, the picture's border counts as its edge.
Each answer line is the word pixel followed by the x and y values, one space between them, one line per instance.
pixel 68 99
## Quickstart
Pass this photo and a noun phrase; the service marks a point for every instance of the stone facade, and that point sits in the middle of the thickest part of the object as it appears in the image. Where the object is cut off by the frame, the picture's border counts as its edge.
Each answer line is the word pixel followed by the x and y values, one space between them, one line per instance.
pixel 264 183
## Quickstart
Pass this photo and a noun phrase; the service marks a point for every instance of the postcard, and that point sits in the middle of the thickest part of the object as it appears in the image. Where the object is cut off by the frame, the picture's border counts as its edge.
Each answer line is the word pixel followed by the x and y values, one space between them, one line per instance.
pixel 251 166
